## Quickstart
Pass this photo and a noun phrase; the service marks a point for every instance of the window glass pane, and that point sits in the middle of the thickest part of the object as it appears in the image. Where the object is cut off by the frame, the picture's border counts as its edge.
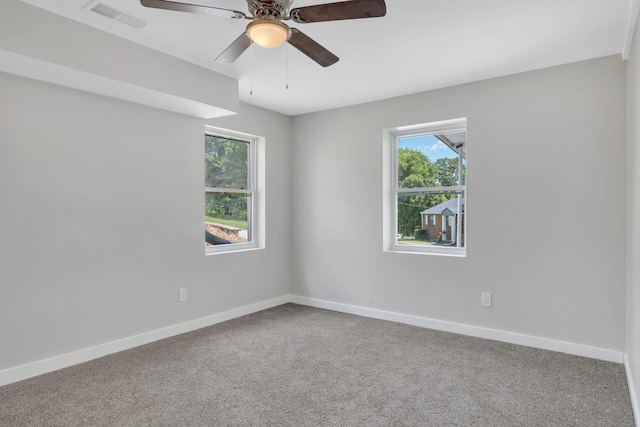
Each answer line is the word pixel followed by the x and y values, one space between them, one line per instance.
pixel 227 218
pixel 226 162
pixel 429 218
pixel 431 160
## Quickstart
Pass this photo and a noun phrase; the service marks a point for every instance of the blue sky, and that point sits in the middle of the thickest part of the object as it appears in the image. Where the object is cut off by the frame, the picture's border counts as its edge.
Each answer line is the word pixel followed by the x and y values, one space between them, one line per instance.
pixel 429 145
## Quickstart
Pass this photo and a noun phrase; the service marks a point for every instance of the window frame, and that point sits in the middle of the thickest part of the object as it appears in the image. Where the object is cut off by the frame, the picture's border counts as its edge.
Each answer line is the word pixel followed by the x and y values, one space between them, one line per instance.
pixel 253 223
pixel 390 226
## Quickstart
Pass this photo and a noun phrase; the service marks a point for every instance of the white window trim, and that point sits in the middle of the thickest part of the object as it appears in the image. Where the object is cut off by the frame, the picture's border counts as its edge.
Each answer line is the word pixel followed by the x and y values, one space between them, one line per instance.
pixel 391 190
pixel 255 182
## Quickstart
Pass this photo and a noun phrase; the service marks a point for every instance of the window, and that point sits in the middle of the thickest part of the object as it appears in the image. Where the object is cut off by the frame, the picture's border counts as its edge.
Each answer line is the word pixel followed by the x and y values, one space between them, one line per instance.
pixel 230 191
pixel 427 174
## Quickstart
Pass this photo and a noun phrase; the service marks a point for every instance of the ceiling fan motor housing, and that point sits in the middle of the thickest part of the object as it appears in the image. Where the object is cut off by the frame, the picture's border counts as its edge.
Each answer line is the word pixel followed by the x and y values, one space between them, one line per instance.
pixel 269 8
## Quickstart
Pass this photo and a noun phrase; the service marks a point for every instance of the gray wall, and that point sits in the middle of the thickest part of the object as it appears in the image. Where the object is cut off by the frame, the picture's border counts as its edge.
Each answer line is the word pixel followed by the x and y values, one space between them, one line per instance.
pixel 102 221
pixel 633 213
pixel 546 217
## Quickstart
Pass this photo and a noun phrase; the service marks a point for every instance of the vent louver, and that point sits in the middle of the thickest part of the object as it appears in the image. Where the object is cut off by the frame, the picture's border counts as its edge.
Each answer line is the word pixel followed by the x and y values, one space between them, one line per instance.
pixel 113 13
pixel 107 11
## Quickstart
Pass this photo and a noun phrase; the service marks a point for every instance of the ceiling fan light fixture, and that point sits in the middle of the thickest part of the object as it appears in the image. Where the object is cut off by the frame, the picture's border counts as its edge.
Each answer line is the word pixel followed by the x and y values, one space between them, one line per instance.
pixel 268 33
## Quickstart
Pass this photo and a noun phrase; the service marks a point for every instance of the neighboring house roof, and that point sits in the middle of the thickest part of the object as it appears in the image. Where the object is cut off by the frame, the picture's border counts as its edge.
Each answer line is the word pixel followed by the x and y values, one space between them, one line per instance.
pixel 450 207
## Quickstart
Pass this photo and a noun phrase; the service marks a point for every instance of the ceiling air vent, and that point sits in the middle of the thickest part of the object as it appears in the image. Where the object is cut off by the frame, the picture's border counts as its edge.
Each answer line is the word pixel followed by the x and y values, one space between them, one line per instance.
pixel 113 13
pixel 107 11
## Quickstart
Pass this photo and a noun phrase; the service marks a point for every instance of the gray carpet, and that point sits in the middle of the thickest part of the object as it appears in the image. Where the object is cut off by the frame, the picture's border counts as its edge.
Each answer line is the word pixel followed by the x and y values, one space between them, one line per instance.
pixel 300 366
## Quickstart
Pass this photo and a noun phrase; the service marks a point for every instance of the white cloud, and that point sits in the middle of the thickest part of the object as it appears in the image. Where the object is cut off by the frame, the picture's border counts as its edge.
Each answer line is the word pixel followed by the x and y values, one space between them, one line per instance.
pixel 437 146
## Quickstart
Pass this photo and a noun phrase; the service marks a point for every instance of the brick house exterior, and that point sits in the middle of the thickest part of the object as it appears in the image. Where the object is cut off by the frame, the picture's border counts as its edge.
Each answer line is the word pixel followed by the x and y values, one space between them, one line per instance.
pixel 447 213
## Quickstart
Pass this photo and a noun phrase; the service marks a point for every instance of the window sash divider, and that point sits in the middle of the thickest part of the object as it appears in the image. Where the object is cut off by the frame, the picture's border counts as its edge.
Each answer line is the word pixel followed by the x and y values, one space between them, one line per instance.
pixel 228 190
pixel 447 189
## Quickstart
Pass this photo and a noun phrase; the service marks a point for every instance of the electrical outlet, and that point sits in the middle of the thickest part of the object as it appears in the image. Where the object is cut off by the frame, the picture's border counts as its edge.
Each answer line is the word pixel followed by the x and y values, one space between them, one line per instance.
pixel 182 294
pixel 485 299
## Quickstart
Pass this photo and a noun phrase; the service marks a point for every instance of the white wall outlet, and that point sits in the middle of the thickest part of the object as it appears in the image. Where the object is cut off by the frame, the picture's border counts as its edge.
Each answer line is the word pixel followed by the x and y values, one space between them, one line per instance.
pixel 485 299
pixel 182 294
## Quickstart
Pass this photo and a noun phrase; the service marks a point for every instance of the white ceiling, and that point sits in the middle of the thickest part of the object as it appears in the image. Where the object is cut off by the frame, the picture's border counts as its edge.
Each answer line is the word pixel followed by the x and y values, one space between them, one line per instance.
pixel 420 45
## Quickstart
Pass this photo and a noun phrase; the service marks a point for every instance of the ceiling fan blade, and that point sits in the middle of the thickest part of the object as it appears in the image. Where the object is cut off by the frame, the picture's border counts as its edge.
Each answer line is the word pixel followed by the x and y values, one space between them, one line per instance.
pixel 311 48
pixel 235 49
pixel 354 9
pixel 193 8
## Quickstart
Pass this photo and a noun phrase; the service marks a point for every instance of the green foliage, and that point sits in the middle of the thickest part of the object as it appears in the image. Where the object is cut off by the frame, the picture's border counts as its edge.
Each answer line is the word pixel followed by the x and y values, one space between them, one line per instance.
pixel 416 170
pixel 226 162
pixel 446 171
pixel 227 205
pixel 226 166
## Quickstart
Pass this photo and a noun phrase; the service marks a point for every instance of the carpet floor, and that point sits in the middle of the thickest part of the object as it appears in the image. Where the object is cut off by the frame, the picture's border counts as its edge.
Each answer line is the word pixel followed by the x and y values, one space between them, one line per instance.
pixel 300 366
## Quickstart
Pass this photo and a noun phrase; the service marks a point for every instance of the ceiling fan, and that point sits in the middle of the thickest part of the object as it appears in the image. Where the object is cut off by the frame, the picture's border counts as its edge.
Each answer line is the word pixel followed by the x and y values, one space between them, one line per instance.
pixel 267 29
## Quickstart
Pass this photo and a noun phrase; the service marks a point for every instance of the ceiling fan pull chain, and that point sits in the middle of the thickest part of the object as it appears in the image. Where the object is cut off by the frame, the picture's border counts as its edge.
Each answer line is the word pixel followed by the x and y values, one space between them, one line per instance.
pixel 287 68
pixel 251 71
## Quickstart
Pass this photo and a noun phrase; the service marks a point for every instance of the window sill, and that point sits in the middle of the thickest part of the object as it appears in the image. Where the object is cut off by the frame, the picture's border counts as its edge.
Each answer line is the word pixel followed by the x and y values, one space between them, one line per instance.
pixel 226 249
pixel 438 251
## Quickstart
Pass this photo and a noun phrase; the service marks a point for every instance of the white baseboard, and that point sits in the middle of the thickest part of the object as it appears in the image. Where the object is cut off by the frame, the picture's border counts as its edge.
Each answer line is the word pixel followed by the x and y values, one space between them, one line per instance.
pixel 40 367
pixel 635 405
pixel 474 331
